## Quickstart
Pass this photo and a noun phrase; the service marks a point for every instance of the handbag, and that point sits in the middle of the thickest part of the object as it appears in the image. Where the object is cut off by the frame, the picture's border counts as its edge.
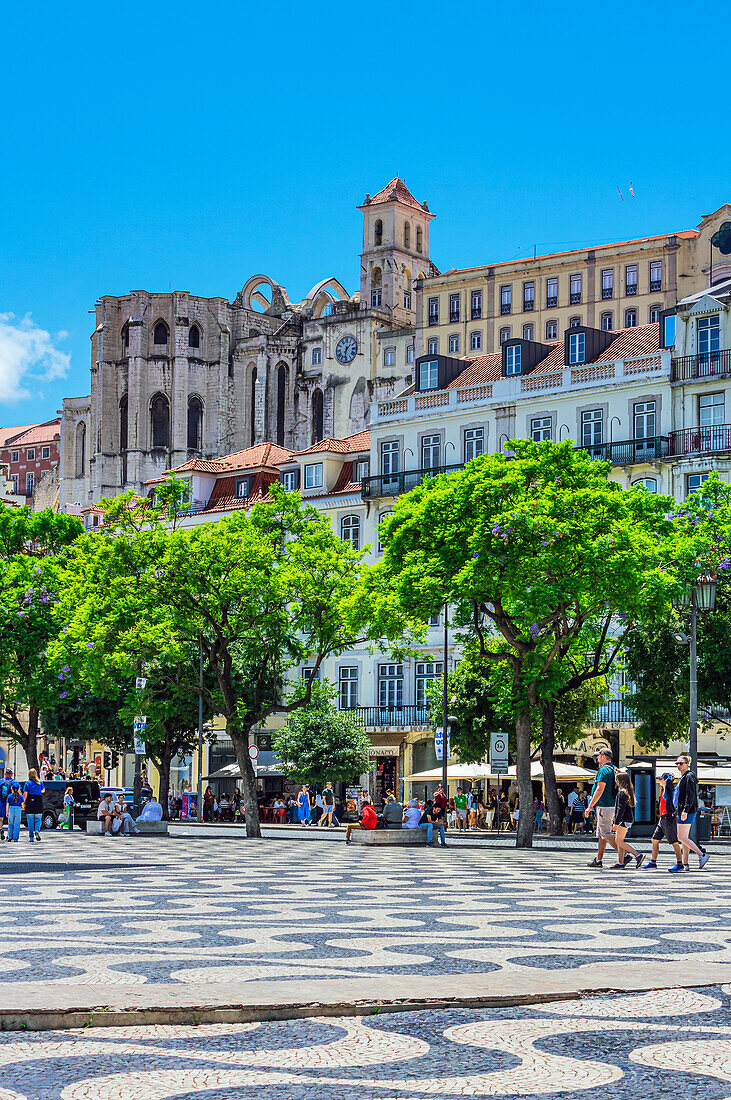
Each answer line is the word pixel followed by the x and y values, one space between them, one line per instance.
pixel 63 817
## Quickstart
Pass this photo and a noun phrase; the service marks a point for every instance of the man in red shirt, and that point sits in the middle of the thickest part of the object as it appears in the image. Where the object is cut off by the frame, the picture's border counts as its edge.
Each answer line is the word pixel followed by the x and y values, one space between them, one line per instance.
pixel 440 799
pixel 368 819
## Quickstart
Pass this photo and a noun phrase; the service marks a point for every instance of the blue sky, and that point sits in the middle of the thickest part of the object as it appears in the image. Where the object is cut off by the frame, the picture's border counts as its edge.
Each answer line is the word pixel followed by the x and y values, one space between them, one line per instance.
pixel 188 147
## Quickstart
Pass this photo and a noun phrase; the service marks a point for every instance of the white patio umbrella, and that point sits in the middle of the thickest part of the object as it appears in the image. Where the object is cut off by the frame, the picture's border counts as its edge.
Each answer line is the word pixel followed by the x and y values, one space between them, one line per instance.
pixel 454 771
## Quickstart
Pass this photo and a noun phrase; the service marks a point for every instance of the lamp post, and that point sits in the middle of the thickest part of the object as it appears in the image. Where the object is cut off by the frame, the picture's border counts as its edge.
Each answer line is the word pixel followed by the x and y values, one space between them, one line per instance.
pixel 199 793
pixel 446 717
pixel 698 596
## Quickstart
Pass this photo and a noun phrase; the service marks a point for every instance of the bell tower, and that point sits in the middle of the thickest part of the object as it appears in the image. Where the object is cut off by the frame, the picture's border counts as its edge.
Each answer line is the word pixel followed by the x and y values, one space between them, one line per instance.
pixel 395 251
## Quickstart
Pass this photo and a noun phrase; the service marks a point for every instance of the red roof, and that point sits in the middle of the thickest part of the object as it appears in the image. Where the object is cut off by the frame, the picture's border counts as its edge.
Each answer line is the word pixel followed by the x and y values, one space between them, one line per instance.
pixel 395 191
pixel 223 498
pixel 252 458
pixel 25 435
pixel 352 444
pixel 685 234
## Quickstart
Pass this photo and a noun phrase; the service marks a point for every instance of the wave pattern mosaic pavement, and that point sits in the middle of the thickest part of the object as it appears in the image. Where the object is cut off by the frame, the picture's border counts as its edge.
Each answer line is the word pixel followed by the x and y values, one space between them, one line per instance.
pixel 666 1044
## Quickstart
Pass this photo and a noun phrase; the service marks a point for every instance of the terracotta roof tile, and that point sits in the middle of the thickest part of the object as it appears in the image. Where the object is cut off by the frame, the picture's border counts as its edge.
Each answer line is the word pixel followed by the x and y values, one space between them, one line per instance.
pixel 37 433
pixel 8 434
pixel 398 190
pixel 485 369
pixel 223 498
pixel 252 458
pixel 352 444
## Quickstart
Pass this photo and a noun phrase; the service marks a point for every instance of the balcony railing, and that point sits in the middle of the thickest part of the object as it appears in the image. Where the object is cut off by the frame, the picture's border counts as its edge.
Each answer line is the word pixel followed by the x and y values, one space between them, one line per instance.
pixel 655 285
pixel 528 304
pixel 391 485
pixel 552 301
pixel 709 439
pixel 391 716
pixel 433 319
pixel 614 710
pixel 629 451
pixel 630 290
pixel 454 317
pixel 575 298
pixel 476 314
pixel 710 364
pixel 607 292
pixel 505 308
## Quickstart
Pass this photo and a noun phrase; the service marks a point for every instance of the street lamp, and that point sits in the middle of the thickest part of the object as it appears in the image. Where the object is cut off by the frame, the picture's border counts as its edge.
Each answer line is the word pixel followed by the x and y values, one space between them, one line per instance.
pixel 695 597
pixel 447 718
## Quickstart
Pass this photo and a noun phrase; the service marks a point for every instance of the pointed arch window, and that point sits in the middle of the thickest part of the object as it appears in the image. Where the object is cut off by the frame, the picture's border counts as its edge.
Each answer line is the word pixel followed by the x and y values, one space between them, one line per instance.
pixel 252 408
pixel 318 416
pixel 195 423
pixel 81 449
pixel 160 421
pixel 125 336
pixel 160 334
pixel 194 337
pixel 419 239
pixel 378 232
pixel 123 422
pixel 281 402
pixel 407 235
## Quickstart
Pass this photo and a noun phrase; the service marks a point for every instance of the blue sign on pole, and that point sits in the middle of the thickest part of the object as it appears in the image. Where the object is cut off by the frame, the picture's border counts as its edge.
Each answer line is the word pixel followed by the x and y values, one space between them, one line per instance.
pixel 439 743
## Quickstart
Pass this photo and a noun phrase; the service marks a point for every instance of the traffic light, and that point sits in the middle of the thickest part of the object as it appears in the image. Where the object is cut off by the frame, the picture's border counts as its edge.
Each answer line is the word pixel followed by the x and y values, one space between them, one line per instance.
pixel 107 760
pixel 115 759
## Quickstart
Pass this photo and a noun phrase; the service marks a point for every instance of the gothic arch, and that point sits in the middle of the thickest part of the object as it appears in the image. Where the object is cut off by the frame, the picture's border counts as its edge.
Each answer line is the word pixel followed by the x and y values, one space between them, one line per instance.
pixel 80 447
pixel 252 405
pixel 160 333
pixel 159 422
pixel 318 416
pixel 195 423
pixel 254 296
pixel 194 336
pixel 282 375
pixel 323 294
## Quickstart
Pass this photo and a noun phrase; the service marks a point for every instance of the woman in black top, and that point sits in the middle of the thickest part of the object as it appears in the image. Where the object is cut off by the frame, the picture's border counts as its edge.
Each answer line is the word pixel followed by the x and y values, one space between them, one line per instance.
pixel 624 818
pixel 687 801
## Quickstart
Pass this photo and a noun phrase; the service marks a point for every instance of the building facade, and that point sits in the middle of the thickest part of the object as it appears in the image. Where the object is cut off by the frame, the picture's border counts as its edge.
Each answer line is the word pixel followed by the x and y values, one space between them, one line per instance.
pixel 30 453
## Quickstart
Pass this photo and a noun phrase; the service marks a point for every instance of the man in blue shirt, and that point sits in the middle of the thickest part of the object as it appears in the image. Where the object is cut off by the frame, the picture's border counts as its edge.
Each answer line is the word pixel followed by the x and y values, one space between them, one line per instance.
pixel 5 785
pixel 151 812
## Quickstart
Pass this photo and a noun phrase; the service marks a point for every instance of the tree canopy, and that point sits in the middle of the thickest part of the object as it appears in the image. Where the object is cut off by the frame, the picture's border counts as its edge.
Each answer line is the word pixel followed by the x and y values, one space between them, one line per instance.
pixel 319 742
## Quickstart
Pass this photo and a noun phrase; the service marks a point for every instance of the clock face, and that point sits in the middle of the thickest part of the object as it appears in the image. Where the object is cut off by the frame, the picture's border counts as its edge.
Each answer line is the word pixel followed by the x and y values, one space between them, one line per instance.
pixel 346 349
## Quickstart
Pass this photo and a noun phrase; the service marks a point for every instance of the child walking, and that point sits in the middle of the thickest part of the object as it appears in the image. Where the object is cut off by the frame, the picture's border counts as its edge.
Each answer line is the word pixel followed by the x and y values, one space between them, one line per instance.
pixel 624 818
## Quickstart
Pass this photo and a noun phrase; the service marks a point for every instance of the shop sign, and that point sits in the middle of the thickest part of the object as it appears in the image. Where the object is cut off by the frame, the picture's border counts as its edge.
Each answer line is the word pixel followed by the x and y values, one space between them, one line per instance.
pixel 383 750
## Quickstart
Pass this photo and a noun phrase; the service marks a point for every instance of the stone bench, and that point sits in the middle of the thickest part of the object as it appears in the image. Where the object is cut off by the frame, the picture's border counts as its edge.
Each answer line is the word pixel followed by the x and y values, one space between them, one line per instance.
pixel 147 828
pixel 389 837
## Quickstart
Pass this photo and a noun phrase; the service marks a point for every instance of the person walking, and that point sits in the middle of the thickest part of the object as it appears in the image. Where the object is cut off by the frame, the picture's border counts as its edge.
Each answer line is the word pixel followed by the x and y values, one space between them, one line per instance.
pixel 460 803
pixel 209 803
pixel 429 822
pixel 368 819
pixel 33 805
pixel 6 784
pixel 328 800
pixel 602 798
pixel 14 811
pixel 667 825
pixel 538 815
pixel 624 819
pixel 578 807
pixel 686 797
pixel 303 806
pixel 562 811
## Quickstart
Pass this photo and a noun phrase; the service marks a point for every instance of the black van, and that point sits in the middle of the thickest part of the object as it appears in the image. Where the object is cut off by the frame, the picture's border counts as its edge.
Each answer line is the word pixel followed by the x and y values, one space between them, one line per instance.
pixel 86 796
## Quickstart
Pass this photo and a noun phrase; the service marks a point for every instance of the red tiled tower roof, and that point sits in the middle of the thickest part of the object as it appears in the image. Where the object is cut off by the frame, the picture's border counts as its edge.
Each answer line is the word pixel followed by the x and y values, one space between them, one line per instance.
pixel 396 191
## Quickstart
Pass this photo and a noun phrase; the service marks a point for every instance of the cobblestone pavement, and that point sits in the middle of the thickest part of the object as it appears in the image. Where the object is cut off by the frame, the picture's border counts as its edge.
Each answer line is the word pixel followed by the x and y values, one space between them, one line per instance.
pixel 670 1044
pixel 77 910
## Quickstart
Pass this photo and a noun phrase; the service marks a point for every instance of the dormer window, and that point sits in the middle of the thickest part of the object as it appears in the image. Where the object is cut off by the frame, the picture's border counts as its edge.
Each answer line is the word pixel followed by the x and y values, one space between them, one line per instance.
pixel 290 480
pixel 429 374
pixel 577 347
pixel 242 488
pixel 313 476
pixel 709 334
pixel 362 468
pixel 513 359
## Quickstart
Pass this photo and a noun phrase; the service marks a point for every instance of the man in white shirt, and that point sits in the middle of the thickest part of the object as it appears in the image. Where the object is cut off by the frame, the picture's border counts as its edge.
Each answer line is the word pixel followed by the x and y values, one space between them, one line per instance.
pixel 105 813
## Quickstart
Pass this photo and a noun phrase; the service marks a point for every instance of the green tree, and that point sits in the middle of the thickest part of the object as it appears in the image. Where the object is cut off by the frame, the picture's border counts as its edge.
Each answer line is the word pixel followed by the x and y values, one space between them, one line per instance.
pixel 319 742
pixel 535 551
pixel 32 544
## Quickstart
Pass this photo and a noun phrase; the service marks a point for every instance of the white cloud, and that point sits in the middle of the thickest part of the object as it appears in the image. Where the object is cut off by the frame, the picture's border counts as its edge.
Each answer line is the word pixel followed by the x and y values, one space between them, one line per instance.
pixel 27 355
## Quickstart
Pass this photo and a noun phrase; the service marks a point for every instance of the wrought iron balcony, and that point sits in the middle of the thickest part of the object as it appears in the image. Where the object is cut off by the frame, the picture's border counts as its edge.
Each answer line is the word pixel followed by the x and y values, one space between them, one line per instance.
pixel 433 319
pixel 454 317
pixel 710 439
pixel 476 314
pixel 575 298
pixel 614 710
pixel 607 292
pixel 630 290
pixel 629 451
pixel 711 364
pixel 401 717
pixel 552 301
pixel 655 284
pixel 528 305
pixel 391 485
pixel 505 308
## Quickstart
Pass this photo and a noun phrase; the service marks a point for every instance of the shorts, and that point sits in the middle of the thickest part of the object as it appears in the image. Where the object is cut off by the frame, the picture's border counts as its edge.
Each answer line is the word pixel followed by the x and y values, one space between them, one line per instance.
pixel 689 819
pixel 666 827
pixel 604 821
pixel 461 813
pixel 624 824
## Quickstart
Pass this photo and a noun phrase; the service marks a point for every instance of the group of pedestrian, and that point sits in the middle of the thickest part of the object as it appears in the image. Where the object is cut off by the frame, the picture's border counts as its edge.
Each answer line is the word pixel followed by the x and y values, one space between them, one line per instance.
pixel 613 801
pixel 430 817
pixel 15 799
pixel 317 809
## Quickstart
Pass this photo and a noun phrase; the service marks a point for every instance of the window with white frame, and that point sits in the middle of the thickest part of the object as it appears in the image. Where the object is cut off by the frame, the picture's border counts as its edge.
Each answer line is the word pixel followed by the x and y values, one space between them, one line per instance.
pixel 476 305
pixel 432 346
pixel 431 451
pixel 630 280
pixel 608 282
pixel 350 531
pixel 290 480
pixel 317 357
pixel 14 479
pixel 14 456
pixel 313 475
pixel 242 488
pixel 710 409
pixel 655 275
pixel 630 318
pixel 45 452
pixel 389 357
pixel 453 308
pixel 551 330
pixel 429 374
pixel 506 299
pixel 541 429
pixel 551 293
pixel 348 687
pixel 653 315
pixel 644 415
pixel 574 322
pixel 528 332
pixel 577 347
pixel 30 480
pixel 474 443
pixel 529 297
pixel 310 674
pixel 376 297
pixel 426 671
pixel 390 457
pixel 407 299
pixel 592 427
pixel 409 353
pixel 362 468
pixel 693 482
pixel 708 330
pixel 648 483
pixel 504 334
pixel 380 521
pixel 476 340
pixel 31 454
pixel 433 308
pixel 454 344
pixel 575 289
pixel 435 620
pixel 606 322
pixel 513 359
pixel 391 686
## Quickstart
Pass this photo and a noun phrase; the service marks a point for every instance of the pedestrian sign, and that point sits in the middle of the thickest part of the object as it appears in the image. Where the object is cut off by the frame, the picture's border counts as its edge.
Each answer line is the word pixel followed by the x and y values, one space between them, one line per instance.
pixel 498 753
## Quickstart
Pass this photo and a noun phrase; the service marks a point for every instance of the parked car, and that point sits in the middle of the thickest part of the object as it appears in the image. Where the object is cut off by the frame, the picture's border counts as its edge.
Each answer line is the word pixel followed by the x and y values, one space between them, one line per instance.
pixel 128 792
pixel 87 797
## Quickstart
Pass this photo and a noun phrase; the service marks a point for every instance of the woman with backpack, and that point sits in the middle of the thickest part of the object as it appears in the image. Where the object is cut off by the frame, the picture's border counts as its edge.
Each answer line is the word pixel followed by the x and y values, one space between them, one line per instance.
pixel 33 804
pixel 624 819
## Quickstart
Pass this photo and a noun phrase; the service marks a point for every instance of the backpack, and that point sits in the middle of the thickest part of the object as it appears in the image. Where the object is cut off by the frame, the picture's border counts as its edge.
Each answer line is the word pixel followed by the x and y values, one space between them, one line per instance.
pixel 4 790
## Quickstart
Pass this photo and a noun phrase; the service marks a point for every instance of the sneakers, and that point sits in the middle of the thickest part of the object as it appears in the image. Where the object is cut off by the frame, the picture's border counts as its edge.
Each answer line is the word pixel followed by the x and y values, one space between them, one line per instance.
pixel 618 867
pixel 686 866
pixel 639 860
pixel 703 860
pixel 628 858
pixel 650 866
pixel 595 863
pixel 674 870
pixel 348 841
pixel 38 836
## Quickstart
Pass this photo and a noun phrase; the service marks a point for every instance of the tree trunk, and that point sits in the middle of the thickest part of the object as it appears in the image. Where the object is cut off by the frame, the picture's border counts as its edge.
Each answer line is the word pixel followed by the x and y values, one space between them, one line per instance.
pixel 524 837
pixel 548 723
pixel 163 765
pixel 248 781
